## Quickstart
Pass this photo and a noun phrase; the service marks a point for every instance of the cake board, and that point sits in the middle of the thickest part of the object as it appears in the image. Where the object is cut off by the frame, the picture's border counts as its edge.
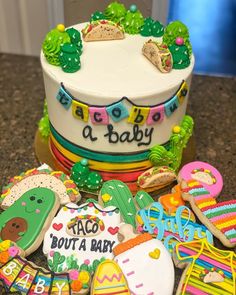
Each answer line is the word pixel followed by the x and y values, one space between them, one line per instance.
pixel 43 155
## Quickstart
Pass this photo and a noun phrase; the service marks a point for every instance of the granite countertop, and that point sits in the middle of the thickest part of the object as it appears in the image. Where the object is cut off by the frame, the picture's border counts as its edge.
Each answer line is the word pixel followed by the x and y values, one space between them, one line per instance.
pixel 212 104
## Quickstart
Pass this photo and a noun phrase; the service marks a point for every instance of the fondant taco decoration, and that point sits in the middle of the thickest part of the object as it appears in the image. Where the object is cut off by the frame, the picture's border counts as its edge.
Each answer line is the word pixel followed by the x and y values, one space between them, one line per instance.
pixel 156 177
pixel 102 30
pixel 159 55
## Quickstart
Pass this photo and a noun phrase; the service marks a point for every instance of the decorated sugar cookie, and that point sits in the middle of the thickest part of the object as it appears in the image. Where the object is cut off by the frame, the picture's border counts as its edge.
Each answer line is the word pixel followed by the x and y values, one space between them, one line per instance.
pixel 116 193
pixel 145 263
pixel 172 201
pixel 201 183
pixel 109 279
pixel 156 177
pixel 23 277
pixel 81 237
pixel 102 30
pixel 26 221
pixel 42 176
pixel 171 228
pixel 159 55
pixel 209 270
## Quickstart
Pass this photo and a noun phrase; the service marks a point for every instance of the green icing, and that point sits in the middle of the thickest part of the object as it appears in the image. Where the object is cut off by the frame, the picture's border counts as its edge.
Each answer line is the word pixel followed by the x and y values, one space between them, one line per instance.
pixel 116 193
pixel 75 38
pixel 152 28
pixel 33 207
pixel 143 199
pixel 157 29
pixel 180 55
pixel 97 15
pixel 132 22
pixel 69 58
pixel 52 44
pixel 84 178
pixel 44 126
pixel 55 264
pixel 115 12
pixel 159 156
pixel 177 29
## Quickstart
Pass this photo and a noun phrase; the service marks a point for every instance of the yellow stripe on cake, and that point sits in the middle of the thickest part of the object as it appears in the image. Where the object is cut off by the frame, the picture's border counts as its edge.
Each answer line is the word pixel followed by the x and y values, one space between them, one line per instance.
pixel 109 279
pixel 103 166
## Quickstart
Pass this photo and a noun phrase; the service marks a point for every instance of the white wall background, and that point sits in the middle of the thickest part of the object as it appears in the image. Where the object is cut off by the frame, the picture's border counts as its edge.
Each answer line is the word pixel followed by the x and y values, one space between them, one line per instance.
pixel 24 23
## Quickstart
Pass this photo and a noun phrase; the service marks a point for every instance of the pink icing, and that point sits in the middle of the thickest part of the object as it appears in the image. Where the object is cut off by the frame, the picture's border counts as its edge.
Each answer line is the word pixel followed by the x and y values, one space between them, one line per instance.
pixel 23 203
pixel 214 189
pixel 195 291
pixel 37 211
pixel 73 274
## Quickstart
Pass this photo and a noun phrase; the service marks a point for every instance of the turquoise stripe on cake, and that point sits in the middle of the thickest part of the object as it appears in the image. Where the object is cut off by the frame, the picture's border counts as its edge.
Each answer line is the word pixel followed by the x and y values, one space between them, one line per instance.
pixel 103 157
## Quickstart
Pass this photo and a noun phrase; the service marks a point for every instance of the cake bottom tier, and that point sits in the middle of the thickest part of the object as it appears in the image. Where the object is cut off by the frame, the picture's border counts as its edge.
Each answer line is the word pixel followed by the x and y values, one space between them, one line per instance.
pixel 126 167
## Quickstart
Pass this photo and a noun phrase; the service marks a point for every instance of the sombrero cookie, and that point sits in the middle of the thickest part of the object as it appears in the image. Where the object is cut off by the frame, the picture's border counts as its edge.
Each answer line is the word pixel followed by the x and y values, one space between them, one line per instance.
pixel 109 279
pixel 42 176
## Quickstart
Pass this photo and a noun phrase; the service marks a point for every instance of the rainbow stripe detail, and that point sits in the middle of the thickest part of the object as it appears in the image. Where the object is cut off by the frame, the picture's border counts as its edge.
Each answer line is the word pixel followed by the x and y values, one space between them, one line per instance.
pixel 221 215
pixel 204 258
pixel 18 275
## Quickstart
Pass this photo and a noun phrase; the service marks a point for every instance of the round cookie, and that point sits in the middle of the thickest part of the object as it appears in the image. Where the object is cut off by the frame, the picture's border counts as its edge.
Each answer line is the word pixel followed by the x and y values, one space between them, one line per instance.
pixel 204 173
pixel 57 181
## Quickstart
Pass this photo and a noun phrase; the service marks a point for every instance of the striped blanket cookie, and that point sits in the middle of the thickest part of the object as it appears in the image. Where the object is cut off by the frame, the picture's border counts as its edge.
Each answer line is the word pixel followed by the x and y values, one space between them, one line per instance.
pixel 209 270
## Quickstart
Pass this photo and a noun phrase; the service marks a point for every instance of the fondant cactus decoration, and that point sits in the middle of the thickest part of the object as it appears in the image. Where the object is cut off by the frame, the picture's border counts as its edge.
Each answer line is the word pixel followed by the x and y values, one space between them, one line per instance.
pixel 160 156
pixel 75 38
pixel 84 178
pixel 174 31
pixel 97 15
pixel 54 263
pixel 69 58
pixel 44 126
pixel 116 193
pixel 152 28
pixel 143 199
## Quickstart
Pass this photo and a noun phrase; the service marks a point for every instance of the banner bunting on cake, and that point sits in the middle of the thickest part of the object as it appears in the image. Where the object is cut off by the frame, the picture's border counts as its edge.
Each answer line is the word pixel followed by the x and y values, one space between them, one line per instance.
pixel 117 111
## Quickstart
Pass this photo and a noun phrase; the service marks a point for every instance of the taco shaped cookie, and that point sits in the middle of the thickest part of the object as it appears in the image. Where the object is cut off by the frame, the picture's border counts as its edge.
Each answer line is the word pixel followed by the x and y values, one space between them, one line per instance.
pixel 26 221
pixel 42 176
pixel 145 263
pixel 102 30
pixel 159 55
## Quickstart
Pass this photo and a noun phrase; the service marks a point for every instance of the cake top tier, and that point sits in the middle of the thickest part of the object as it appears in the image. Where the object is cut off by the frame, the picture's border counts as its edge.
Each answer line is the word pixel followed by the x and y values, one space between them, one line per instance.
pixel 112 69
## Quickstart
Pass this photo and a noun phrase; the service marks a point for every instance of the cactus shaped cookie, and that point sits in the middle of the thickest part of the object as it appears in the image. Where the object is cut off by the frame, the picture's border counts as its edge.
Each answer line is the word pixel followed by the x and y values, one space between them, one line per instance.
pixel 26 221
pixel 116 193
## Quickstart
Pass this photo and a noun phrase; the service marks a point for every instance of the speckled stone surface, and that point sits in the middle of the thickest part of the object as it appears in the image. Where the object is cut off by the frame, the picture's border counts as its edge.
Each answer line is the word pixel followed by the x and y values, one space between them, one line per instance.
pixel 212 105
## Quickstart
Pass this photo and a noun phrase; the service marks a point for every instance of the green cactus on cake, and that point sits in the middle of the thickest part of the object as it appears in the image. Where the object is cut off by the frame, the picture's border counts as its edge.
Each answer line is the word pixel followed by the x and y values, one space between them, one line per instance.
pixel 97 15
pixel 44 126
pixel 176 30
pixel 69 58
pixel 160 156
pixel 84 178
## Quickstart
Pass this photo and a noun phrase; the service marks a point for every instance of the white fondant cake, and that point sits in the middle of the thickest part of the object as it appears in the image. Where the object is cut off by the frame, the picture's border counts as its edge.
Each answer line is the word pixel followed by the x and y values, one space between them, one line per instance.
pixel 109 71
pixel 115 108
